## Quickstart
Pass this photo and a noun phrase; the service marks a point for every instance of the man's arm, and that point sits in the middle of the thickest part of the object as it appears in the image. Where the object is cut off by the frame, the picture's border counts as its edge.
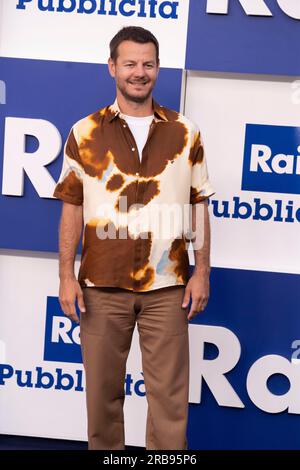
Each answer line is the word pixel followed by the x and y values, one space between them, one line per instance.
pixel 69 235
pixel 198 285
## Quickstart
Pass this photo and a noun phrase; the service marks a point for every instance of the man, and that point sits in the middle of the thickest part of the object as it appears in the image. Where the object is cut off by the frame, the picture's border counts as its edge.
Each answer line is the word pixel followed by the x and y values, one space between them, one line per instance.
pixel 119 163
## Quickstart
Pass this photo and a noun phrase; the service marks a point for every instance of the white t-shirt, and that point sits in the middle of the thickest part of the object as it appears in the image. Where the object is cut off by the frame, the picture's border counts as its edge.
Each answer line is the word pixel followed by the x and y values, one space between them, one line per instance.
pixel 139 127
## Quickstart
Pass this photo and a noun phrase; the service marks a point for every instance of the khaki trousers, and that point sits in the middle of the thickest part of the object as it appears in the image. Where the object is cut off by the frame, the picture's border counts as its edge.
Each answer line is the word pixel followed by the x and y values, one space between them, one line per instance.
pixel 106 330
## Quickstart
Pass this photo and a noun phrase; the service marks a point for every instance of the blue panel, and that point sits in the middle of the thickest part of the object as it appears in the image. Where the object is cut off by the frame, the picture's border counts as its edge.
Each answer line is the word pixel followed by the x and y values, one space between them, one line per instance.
pixel 276 143
pixel 62 93
pixel 262 310
pixel 64 346
pixel 240 43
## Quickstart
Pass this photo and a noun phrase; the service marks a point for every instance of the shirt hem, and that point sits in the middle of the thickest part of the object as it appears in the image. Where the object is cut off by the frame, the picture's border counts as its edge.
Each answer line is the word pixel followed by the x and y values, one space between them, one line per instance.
pixel 132 289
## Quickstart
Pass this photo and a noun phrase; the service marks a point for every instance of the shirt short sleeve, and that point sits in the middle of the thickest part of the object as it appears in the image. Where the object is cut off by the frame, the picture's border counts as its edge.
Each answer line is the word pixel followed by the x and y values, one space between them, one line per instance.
pixel 69 187
pixel 201 188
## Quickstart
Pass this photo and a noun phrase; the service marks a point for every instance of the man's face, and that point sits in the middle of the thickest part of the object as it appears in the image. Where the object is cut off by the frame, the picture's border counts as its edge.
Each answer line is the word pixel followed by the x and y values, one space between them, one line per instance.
pixel 135 70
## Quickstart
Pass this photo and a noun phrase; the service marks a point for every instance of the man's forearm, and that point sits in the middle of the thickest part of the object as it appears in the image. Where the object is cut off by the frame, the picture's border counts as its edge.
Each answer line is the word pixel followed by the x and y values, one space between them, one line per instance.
pixel 201 228
pixel 69 235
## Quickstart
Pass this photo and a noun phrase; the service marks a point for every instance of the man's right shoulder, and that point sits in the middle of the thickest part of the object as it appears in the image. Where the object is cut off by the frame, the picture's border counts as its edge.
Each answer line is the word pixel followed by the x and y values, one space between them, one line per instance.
pixel 84 126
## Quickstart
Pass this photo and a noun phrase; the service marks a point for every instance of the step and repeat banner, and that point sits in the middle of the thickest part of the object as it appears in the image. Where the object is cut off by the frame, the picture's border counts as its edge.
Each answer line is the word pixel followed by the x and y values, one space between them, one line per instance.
pixel 232 66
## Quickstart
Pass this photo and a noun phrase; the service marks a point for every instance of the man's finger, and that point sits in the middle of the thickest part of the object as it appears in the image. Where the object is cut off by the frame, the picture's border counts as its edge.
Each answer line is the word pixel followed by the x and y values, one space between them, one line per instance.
pixel 193 310
pixel 80 302
pixel 70 311
pixel 186 298
pixel 73 316
pixel 203 304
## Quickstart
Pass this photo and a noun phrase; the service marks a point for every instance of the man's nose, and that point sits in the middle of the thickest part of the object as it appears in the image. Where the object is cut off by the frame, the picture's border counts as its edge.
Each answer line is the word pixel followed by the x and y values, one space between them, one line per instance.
pixel 139 71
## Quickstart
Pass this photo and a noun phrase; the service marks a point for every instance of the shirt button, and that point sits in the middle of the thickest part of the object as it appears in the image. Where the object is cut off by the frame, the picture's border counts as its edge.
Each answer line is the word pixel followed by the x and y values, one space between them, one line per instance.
pixel 133 149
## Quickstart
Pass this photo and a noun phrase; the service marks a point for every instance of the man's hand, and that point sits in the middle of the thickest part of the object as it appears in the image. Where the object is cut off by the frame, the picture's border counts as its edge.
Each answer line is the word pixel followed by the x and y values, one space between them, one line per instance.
pixel 69 291
pixel 198 288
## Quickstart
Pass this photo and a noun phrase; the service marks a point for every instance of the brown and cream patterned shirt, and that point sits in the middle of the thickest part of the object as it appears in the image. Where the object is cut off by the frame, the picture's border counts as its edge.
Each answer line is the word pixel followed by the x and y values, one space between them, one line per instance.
pixel 131 237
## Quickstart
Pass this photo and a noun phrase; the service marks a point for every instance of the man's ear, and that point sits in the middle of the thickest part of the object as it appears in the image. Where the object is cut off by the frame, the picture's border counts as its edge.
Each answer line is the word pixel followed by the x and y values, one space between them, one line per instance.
pixel 111 67
pixel 158 66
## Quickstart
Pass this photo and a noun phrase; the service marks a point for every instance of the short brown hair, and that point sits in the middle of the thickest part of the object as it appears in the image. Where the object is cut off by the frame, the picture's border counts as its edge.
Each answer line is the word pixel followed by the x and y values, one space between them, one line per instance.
pixel 132 33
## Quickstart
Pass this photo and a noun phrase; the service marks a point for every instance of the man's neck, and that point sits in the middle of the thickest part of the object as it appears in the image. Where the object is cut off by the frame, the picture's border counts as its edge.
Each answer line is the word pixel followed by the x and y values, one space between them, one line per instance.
pixel 130 108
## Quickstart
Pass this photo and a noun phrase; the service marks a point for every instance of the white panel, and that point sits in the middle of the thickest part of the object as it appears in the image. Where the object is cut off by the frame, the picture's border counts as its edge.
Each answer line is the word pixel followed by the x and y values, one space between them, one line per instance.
pixel 82 37
pixel 26 279
pixel 222 105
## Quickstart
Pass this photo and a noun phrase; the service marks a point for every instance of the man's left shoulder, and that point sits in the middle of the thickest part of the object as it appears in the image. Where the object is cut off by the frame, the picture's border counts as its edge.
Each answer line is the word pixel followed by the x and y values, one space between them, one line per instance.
pixel 175 116
pixel 189 123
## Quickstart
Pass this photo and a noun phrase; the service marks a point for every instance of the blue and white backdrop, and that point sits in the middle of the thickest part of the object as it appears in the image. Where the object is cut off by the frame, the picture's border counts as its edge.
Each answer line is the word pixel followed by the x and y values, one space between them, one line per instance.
pixel 233 66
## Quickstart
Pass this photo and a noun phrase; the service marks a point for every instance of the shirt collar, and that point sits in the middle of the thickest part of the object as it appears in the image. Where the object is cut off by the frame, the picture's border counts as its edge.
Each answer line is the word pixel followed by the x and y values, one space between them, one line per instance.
pixel 159 114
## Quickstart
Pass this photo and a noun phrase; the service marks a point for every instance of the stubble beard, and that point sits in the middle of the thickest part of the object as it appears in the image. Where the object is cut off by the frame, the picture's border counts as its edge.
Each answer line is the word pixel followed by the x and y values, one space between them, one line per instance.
pixel 135 98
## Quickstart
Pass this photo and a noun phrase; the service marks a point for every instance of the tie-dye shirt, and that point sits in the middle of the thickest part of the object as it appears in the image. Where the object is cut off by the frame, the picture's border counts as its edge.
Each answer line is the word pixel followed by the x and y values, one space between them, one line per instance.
pixel 131 238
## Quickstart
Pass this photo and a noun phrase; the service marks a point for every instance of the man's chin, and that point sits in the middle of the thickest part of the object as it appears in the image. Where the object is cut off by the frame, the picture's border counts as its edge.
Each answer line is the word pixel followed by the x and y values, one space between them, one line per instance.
pixel 136 98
